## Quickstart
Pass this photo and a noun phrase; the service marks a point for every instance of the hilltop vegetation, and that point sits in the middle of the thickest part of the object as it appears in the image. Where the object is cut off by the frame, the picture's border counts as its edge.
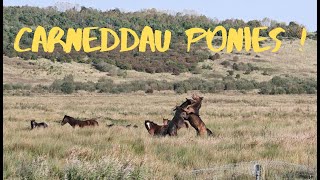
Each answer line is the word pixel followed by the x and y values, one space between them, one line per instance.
pixel 175 60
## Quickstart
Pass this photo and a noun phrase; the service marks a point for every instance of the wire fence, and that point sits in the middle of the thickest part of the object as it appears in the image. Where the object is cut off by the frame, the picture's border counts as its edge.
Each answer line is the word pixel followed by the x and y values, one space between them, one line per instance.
pixel 259 170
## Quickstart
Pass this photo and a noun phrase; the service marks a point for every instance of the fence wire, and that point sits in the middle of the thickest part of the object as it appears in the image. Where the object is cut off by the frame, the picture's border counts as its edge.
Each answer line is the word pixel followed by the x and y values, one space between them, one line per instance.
pixel 249 170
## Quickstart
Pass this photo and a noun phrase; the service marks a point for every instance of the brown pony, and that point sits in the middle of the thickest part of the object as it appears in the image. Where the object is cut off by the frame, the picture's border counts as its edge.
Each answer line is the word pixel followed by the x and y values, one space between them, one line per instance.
pixel 193 116
pixel 196 122
pixel 74 122
pixel 155 129
pixel 195 105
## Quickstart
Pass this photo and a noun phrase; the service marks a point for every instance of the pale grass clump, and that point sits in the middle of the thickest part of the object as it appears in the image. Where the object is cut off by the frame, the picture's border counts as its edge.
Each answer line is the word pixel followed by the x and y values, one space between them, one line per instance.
pixel 247 128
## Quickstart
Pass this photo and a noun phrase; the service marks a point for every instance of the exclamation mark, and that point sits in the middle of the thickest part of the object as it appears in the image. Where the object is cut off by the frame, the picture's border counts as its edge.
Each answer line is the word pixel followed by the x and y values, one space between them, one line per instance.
pixel 303 38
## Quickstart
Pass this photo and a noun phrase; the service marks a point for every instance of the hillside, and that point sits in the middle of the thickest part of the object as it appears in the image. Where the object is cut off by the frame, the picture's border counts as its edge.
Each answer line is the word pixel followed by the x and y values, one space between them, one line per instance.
pixel 238 68
pixel 175 60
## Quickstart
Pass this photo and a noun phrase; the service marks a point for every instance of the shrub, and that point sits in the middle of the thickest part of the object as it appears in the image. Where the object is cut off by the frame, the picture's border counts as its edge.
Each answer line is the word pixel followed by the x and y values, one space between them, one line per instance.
pixel 243 84
pixel 235 58
pixel 7 87
pixel 56 86
pixel 197 70
pixel 215 56
pixel 238 76
pixel 149 91
pixel 67 87
pixel 102 66
pixel 247 72
pixel 230 72
pixel 265 73
pixel 230 85
pixel 206 67
pixel 225 63
pixel 104 85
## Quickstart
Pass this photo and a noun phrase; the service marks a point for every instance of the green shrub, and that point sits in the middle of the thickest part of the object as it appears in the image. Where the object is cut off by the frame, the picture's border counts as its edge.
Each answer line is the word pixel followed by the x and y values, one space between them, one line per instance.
pixel 104 85
pixel 7 87
pixel 230 85
pixel 206 67
pixel 215 56
pixel 243 84
pixel 230 72
pixel 247 72
pixel 67 87
pixel 102 66
pixel 225 63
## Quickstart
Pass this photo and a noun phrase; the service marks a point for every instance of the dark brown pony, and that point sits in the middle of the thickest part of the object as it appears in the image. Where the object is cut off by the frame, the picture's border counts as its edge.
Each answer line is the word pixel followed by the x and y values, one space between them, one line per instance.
pixel 155 129
pixel 74 122
pixel 34 124
pixel 196 122
pixel 178 119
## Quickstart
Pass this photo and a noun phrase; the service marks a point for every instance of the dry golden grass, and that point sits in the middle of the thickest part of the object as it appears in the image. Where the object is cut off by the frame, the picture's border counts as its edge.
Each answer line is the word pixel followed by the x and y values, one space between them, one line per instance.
pixel 247 128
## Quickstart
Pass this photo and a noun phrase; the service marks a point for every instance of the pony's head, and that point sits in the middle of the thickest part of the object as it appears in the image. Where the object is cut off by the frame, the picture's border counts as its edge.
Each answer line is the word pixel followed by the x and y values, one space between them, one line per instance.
pixel 65 120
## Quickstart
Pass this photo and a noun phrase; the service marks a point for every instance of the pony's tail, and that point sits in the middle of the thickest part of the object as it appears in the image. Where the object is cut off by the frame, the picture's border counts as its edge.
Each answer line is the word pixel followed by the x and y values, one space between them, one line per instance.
pixel 209 132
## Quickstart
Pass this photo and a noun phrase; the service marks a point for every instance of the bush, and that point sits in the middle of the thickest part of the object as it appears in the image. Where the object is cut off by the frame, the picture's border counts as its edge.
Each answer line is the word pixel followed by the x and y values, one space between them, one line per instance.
pixel 55 86
pixel 238 76
pixel 247 72
pixel 230 85
pixel 288 85
pixel 67 87
pixel 230 72
pixel 149 91
pixel 7 87
pixel 245 84
pixel 104 85
pixel 197 70
pixel 215 56
pixel 235 58
pixel 206 67
pixel 225 63
pixel 265 73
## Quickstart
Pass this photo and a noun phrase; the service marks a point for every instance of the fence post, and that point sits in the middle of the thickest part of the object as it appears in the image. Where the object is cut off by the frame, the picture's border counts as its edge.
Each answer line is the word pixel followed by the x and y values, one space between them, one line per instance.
pixel 257 171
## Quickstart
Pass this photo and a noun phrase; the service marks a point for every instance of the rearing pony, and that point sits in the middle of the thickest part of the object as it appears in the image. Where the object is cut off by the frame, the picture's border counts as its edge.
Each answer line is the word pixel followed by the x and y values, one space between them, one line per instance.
pixel 74 122
pixel 193 116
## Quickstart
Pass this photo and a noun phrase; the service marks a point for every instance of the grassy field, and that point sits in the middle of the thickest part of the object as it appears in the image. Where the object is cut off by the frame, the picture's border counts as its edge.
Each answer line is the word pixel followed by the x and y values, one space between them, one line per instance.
pixel 248 128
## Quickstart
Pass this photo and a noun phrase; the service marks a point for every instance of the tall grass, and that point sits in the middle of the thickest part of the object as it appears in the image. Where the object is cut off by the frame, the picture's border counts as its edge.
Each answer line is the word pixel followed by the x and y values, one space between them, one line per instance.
pixel 247 127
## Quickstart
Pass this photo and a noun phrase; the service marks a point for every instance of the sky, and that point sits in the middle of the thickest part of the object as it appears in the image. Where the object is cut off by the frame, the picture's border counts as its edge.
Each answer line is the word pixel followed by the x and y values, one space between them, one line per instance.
pixel 302 12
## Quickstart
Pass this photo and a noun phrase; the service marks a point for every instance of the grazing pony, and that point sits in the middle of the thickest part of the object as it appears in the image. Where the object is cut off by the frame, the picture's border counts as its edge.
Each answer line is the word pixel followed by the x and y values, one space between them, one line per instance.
pixel 74 122
pixel 155 129
pixel 34 124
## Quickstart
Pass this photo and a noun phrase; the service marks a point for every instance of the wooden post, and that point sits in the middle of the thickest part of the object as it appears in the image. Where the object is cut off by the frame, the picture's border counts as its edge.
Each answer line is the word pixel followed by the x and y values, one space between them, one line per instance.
pixel 257 170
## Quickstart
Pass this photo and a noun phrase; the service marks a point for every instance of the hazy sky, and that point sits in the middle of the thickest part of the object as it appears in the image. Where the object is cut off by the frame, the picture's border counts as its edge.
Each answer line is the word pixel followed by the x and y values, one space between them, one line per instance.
pixel 303 12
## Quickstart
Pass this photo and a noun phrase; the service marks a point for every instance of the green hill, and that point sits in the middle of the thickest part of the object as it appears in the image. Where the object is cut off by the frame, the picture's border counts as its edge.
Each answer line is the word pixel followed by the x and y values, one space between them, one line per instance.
pixel 175 60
